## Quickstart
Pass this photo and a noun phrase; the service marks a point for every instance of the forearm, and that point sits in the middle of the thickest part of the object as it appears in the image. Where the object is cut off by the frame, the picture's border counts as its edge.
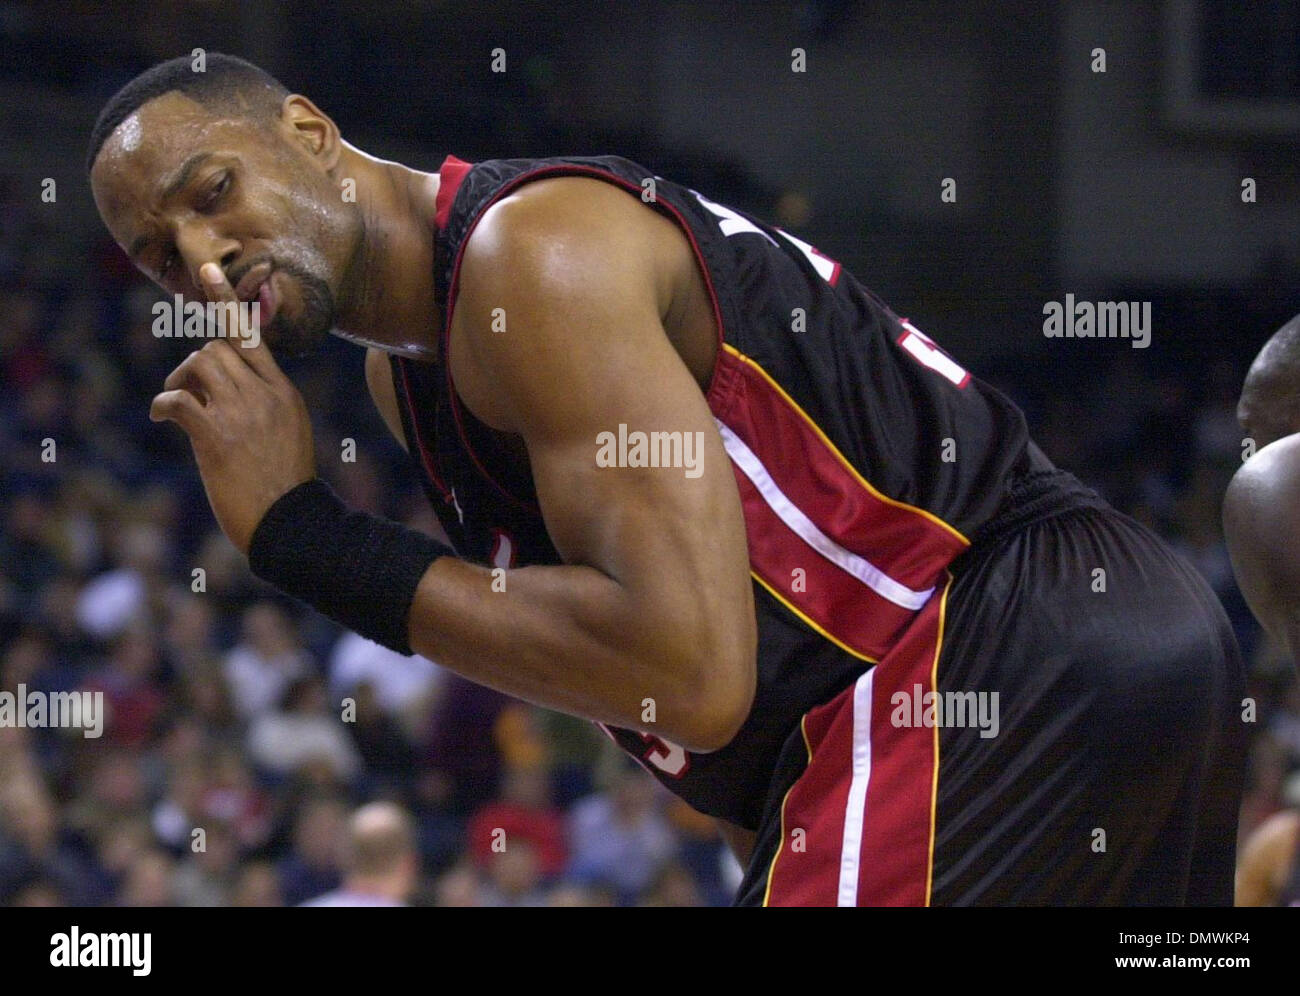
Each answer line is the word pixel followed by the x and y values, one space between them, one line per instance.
pixel 654 652
pixel 567 637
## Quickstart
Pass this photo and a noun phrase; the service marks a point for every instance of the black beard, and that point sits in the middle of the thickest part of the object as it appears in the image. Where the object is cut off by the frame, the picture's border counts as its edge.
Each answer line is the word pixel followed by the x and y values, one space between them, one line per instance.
pixel 302 336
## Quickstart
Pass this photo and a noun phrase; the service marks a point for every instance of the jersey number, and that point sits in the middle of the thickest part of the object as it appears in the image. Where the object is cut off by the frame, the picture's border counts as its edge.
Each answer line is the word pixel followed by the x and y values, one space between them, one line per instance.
pixel 733 223
pixel 922 349
pixel 667 756
pixel 917 344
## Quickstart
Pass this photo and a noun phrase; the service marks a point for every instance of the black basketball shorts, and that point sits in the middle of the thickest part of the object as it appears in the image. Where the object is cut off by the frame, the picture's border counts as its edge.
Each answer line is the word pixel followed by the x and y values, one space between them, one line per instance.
pixel 1062 724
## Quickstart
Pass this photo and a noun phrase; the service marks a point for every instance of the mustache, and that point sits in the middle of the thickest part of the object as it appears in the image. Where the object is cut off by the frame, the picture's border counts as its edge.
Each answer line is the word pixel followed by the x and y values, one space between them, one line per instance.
pixel 234 275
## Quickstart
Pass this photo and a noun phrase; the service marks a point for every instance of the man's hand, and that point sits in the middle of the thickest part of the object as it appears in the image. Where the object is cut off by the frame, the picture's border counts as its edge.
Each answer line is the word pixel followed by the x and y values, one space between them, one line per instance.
pixel 246 421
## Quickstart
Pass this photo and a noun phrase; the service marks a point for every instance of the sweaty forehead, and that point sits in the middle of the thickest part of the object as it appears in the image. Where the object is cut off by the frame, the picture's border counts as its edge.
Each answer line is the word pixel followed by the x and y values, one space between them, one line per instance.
pixel 152 144
pixel 161 130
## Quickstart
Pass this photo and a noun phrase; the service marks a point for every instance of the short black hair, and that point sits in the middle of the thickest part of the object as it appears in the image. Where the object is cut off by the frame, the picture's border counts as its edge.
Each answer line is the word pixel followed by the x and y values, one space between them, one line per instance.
pixel 225 81
pixel 1274 374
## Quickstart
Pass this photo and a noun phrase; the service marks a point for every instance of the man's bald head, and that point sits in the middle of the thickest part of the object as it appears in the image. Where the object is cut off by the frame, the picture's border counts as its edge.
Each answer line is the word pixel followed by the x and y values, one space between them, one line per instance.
pixel 381 840
pixel 1269 407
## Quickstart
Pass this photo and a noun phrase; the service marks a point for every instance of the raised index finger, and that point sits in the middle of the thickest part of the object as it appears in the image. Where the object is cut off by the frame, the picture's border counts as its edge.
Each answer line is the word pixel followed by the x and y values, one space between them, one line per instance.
pixel 215 284
pixel 251 350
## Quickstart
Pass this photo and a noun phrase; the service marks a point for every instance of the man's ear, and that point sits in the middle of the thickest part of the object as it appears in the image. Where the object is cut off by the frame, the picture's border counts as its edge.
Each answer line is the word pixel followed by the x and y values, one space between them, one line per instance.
pixel 313 128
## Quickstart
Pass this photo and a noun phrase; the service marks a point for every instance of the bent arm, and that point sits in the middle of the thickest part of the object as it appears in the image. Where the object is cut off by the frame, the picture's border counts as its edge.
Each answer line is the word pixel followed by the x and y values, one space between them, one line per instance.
pixel 650 622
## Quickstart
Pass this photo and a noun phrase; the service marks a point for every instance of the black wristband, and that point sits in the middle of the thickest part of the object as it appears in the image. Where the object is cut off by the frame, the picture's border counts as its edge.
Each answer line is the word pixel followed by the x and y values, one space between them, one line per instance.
pixel 357 569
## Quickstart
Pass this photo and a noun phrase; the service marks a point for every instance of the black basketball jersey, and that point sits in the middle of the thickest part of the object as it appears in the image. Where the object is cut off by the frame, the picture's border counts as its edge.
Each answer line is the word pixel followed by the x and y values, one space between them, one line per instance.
pixel 866 458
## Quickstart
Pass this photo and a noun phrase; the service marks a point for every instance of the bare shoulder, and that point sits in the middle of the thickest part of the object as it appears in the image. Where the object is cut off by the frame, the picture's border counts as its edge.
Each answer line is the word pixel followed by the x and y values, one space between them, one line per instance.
pixel 551 274
pixel 1261 526
pixel 1264 495
pixel 573 205
pixel 562 231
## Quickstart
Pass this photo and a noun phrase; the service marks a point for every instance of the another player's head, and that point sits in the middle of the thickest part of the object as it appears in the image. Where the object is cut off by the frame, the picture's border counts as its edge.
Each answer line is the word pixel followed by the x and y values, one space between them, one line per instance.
pixel 1269 407
pixel 214 160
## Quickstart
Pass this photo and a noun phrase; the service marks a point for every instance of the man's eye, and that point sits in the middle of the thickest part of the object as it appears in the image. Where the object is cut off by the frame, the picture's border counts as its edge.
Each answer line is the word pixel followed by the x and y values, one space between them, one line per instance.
pixel 168 264
pixel 217 190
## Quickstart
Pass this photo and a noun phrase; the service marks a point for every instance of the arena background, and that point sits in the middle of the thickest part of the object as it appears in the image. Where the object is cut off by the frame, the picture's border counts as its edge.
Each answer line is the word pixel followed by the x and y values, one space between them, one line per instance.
pixel 1126 184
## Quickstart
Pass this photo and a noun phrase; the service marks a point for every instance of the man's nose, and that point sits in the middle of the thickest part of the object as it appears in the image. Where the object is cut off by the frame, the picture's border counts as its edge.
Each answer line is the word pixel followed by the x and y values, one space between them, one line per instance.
pixel 198 248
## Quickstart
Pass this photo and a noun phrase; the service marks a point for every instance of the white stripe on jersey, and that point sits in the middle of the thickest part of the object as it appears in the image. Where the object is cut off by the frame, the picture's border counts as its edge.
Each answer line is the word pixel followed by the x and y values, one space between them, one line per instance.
pixel 803 527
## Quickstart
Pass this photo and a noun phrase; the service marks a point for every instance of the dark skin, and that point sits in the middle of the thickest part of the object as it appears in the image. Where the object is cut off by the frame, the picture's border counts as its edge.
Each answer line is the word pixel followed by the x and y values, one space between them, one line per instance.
pixel 1261 524
pixel 1266 860
pixel 1261 508
pixel 608 322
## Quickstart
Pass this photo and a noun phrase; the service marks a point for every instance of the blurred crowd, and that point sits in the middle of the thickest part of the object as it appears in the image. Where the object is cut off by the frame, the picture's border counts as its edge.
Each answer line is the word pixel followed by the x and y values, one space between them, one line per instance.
pixel 254 754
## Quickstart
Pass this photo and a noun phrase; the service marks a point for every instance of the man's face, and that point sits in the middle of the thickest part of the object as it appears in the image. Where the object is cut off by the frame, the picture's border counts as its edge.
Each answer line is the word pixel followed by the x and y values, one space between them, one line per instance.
pixel 180 185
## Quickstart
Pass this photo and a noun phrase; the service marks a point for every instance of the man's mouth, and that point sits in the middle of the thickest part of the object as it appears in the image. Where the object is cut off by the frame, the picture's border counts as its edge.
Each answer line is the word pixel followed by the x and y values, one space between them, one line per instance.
pixel 257 285
pixel 267 299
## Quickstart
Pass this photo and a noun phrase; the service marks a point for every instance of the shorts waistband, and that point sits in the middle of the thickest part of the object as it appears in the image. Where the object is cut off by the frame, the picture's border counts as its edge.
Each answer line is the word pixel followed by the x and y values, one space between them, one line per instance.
pixel 1039 491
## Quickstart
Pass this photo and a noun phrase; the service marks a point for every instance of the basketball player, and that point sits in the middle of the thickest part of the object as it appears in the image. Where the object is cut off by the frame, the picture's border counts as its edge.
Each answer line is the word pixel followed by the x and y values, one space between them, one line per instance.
pixel 848 522
pixel 1261 509
pixel 1261 512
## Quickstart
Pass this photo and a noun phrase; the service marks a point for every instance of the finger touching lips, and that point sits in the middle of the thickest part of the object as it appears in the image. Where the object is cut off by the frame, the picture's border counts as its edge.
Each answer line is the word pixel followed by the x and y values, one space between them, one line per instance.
pixel 211 275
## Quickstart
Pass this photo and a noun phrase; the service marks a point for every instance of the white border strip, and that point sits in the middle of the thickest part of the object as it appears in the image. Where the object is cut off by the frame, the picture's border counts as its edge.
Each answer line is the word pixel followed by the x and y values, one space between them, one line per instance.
pixel 855 811
pixel 803 527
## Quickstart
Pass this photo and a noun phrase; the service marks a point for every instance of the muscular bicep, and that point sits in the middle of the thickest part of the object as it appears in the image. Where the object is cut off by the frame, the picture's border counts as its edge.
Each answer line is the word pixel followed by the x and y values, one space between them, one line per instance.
pixel 637 482
pixel 631 473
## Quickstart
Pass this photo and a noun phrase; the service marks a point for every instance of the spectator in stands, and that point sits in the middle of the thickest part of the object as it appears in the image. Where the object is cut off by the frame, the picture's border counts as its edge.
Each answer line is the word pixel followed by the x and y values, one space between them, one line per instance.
pixel 620 838
pixel 264 663
pixel 313 866
pixel 523 812
pixel 302 732
pixel 404 686
pixel 382 863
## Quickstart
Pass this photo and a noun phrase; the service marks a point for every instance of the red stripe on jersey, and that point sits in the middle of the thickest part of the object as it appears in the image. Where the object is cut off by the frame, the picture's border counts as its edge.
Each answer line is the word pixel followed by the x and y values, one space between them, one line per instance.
pixel 840 606
pixel 898 830
pixel 894 855
pixel 806 869
pixel 452 172
pixel 908 545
